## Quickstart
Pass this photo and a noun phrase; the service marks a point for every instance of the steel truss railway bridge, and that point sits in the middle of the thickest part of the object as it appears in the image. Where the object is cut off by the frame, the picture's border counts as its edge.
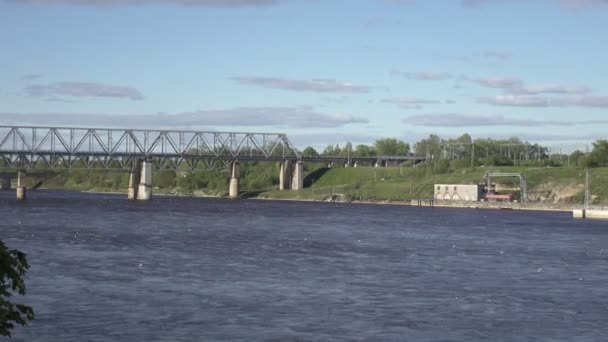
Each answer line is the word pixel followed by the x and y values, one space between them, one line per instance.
pixel 137 150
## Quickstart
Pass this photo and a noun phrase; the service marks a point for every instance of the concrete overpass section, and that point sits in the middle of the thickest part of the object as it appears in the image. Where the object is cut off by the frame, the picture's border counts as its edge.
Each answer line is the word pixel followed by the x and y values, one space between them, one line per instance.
pixel 139 151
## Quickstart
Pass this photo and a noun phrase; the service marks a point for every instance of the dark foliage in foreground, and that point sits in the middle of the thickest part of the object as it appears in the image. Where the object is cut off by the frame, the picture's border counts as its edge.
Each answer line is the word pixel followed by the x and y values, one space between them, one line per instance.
pixel 13 265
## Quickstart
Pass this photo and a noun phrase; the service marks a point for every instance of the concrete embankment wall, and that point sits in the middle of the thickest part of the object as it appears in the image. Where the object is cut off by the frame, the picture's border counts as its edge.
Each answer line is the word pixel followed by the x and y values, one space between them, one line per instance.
pixel 590 214
pixel 500 205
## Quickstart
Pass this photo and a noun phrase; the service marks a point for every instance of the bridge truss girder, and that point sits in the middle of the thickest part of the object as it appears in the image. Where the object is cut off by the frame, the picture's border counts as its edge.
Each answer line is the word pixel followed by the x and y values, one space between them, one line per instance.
pixel 104 148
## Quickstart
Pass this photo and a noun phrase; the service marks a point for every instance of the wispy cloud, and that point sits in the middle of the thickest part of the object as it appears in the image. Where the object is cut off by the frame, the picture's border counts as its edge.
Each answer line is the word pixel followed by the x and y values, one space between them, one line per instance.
pixel 500 82
pixel 207 3
pixel 58 99
pixel 476 120
pixel 399 2
pixel 373 22
pixel 500 55
pixel 422 75
pixel 582 3
pixel 30 77
pixel 409 102
pixel 566 3
pixel 585 101
pixel 314 85
pixel 281 117
pixel 515 101
pixel 477 3
pixel 541 101
pixel 82 89
pixel 551 89
pixel 515 86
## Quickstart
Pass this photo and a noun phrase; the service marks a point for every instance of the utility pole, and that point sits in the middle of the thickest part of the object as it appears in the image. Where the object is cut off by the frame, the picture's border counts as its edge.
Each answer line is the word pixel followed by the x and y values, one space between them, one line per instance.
pixel 348 153
pixel 587 190
pixel 473 154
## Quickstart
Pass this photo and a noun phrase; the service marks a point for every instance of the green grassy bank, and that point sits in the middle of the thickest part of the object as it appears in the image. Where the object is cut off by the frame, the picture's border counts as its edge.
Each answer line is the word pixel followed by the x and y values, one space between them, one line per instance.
pixel 551 185
pixel 545 184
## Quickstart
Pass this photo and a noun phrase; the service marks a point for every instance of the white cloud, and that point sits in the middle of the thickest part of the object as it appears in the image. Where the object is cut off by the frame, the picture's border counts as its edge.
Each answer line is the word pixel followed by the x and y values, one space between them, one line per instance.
pixel 409 102
pixel 422 75
pixel 541 101
pixel 474 120
pixel 280 117
pixel 482 120
pixel 314 85
pixel 82 89
pixel 207 3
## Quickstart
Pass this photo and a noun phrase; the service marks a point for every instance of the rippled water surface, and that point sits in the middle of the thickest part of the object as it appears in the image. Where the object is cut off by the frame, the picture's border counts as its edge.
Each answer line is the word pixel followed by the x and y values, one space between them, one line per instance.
pixel 184 269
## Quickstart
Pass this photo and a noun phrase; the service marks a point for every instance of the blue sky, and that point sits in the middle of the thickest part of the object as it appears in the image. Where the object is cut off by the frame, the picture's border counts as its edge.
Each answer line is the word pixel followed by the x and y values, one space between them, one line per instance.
pixel 323 71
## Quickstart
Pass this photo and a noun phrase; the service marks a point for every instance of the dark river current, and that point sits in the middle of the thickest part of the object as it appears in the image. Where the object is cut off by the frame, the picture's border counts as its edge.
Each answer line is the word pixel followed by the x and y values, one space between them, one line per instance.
pixel 188 269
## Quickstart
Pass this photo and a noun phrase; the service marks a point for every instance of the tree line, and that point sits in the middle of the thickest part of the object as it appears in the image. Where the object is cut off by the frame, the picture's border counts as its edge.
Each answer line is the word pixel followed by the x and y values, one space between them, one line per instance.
pixel 473 152
pixel 381 147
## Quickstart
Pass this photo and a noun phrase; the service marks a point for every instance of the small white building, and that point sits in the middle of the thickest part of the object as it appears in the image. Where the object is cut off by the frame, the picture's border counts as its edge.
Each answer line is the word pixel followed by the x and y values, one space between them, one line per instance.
pixel 458 192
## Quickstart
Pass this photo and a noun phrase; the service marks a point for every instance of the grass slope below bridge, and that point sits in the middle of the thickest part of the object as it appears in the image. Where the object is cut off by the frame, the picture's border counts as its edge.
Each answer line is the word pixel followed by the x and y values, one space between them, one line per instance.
pixel 555 185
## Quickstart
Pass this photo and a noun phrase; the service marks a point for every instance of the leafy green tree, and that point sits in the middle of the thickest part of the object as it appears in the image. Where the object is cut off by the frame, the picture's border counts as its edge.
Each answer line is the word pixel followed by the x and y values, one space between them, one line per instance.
pixel 391 146
pixel 347 150
pixel 599 154
pixel 430 147
pixel 13 265
pixel 329 151
pixel 364 151
pixel 310 152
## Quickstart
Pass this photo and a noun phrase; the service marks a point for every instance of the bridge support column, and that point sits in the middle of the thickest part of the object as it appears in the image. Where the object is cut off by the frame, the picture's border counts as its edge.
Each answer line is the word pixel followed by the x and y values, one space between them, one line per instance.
pixel 144 193
pixel 285 176
pixel 21 190
pixel 381 163
pixel 133 184
pixel 233 190
pixel 297 181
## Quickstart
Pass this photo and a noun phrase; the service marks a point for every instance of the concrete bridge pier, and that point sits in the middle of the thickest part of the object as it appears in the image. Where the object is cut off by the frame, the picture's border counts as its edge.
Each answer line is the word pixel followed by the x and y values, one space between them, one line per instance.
pixel 233 191
pixel 134 175
pixel 291 176
pixel 285 175
pixel 21 190
pixel 381 163
pixel 144 192
pixel 297 181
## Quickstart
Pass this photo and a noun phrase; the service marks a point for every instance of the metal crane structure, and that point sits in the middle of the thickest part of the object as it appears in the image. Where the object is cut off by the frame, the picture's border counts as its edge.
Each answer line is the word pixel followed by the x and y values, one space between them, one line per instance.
pixel 523 185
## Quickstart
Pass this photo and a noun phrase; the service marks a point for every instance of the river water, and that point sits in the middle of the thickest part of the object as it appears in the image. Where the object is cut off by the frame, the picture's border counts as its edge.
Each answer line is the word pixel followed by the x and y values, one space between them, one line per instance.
pixel 190 269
